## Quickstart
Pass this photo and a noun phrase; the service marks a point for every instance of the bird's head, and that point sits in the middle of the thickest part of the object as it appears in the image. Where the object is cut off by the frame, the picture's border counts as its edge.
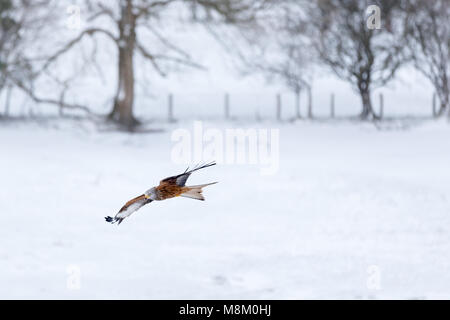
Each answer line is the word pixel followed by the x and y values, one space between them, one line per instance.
pixel 150 194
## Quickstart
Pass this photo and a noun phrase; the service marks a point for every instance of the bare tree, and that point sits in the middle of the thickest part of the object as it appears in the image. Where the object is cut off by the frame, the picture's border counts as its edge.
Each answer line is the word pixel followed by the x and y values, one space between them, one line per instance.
pixel 428 33
pixel 22 22
pixel 293 71
pixel 366 58
pixel 293 61
pixel 130 18
pixel 13 62
pixel 275 46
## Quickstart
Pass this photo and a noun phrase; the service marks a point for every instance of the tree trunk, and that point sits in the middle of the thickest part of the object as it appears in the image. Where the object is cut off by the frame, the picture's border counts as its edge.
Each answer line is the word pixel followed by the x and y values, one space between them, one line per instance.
pixel 441 111
pixel 443 107
pixel 367 112
pixel 445 103
pixel 122 112
pixel 366 105
pixel 123 102
pixel 448 107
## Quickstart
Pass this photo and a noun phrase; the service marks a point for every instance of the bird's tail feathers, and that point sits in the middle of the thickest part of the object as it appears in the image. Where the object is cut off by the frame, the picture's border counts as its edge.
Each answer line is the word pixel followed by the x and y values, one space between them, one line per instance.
pixel 195 192
pixel 203 185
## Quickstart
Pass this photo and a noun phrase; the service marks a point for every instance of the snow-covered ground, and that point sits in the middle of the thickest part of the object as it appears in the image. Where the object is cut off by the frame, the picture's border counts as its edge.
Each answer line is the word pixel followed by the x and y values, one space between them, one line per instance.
pixel 353 212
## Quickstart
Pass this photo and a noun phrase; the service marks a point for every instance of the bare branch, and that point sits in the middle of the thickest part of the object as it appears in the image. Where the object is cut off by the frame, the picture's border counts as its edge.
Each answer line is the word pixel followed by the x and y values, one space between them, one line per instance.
pixel 153 58
pixel 59 102
pixel 70 44
pixel 101 11
pixel 145 11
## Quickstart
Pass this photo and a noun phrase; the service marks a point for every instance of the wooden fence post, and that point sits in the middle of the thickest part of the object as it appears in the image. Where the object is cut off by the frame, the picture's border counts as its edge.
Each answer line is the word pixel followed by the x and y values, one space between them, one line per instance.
pixel 227 106
pixel 310 107
pixel 332 114
pixel 8 100
pixel 170 108
pixel 297 103
pixel 381 106
pixel 258 116
pixel 434 105
pixel 279 107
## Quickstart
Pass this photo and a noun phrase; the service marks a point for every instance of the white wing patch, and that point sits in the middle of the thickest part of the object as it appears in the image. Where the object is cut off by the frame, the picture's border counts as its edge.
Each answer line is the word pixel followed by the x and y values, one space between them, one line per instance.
pixel 129 211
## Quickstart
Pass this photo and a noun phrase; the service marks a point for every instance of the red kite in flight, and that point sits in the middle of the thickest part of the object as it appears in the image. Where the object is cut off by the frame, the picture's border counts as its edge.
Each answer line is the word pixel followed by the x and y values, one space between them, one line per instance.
pixel 168 188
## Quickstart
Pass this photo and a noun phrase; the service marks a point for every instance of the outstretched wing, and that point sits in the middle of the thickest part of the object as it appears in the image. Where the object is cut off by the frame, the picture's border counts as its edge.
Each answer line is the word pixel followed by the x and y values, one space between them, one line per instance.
pixel 180 180
pixel 129 208
pixel 136 202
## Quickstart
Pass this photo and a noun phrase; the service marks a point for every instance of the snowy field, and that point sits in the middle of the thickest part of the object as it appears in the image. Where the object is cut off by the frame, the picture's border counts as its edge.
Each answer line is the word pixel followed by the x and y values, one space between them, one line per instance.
pixel 353 212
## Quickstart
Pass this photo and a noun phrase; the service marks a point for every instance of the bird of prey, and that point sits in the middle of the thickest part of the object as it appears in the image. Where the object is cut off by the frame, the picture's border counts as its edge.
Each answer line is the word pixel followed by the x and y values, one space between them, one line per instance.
pixel 168 188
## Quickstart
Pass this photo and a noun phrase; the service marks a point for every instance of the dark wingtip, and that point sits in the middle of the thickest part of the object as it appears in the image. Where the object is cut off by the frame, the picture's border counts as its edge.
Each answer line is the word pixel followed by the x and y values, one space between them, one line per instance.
pixel 212 163
pixel 109 219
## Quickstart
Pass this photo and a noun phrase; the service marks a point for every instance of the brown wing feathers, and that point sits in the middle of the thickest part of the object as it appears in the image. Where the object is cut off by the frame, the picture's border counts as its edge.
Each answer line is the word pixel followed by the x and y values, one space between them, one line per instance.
pixel 129 203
